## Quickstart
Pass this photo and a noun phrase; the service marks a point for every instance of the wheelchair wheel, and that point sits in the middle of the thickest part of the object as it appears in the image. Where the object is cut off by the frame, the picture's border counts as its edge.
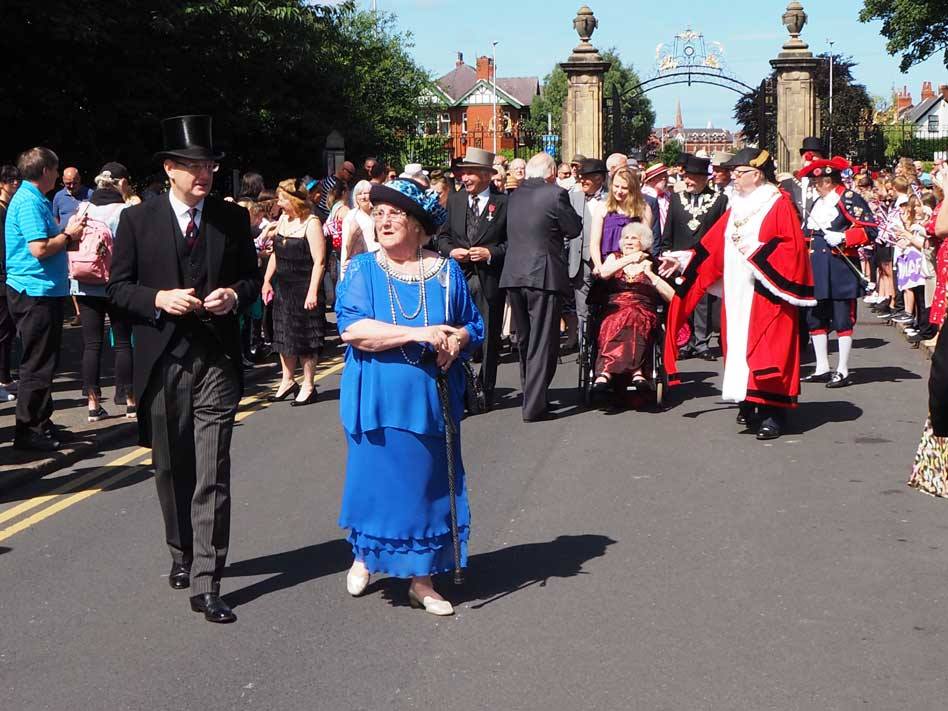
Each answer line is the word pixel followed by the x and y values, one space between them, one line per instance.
pixel 659 392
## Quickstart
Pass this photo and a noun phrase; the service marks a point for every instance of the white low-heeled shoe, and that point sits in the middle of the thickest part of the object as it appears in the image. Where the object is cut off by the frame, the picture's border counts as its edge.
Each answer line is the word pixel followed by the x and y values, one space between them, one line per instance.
pixel 442 608
pixel 356 584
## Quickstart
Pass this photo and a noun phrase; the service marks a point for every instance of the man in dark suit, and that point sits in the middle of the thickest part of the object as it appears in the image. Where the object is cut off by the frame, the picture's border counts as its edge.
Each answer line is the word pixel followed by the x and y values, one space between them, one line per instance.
pixel 539 218
pixel 183 264
pixel 475 235
pixel 691 213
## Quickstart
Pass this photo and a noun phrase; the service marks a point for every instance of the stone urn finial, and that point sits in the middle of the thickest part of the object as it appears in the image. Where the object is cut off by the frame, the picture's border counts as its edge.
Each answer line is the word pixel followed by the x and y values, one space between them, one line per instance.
pixel 585 24
pixel 794 19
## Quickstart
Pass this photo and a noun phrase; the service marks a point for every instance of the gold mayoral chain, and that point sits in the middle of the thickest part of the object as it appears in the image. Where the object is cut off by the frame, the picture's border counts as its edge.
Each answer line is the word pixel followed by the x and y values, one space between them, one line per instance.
pixel 736 237
pixel 705 201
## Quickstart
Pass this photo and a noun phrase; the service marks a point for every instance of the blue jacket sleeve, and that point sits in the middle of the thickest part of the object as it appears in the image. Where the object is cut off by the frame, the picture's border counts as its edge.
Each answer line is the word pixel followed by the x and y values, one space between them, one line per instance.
pixel 354 300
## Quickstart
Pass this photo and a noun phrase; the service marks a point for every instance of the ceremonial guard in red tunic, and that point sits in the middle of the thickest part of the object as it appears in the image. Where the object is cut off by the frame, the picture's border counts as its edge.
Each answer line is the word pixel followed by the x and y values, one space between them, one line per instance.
pixel 755 257
pixel 839 222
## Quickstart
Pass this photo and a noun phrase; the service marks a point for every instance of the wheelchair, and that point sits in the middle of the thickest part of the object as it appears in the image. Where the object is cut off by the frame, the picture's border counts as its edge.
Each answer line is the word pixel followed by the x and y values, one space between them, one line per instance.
pixel 656 378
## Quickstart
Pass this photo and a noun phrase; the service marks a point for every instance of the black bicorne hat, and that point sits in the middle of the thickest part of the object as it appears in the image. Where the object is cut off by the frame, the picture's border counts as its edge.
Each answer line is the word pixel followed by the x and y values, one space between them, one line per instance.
pixel 188 137
pixel 812 144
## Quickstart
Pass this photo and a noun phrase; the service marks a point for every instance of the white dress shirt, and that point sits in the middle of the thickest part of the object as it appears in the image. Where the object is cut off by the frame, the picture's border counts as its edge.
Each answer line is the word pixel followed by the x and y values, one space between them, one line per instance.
pixel 182 211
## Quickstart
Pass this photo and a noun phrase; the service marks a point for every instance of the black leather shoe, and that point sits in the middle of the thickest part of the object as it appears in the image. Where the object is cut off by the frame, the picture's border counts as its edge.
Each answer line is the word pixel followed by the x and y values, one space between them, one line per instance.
pixel 769 429
pixel 180 576
pixel 36 442
pixel 838 380
pixel 706 355
pixel 744 414
pixel 310 399
pixel 545 417
pixel 289 392
pixel 686 352
pixel 214 609
pixel 817 377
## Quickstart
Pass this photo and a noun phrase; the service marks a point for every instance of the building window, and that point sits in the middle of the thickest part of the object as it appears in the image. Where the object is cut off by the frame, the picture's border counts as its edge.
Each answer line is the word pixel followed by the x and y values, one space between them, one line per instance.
pixel 444 124
pixel 508 124
pixel 464 122
pixel 933 123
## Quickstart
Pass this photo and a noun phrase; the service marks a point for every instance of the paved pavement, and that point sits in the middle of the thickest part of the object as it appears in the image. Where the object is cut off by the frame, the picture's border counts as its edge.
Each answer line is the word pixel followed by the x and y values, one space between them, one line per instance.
pixel 644 560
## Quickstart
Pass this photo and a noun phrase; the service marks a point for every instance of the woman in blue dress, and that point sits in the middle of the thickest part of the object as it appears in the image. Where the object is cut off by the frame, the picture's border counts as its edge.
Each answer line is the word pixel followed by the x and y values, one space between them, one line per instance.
pixel 404 312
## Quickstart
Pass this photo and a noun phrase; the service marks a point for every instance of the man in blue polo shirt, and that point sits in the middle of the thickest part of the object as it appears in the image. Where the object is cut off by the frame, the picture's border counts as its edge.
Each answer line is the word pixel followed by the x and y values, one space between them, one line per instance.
pixel 37 281
pixel 66 201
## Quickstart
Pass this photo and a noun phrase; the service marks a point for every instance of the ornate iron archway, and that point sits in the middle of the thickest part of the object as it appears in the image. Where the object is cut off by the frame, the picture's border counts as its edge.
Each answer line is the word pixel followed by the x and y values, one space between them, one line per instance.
pixel 689 59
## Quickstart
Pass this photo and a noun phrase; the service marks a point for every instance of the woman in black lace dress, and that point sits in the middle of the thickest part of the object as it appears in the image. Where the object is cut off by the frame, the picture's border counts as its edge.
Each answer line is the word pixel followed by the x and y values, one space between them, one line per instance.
pixel 293 281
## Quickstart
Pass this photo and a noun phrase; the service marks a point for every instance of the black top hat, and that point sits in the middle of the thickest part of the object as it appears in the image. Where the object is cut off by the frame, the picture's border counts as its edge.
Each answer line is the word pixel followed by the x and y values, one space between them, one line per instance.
pixel 813 145
pixel 593 165
pixel 188 137
pixel 695 165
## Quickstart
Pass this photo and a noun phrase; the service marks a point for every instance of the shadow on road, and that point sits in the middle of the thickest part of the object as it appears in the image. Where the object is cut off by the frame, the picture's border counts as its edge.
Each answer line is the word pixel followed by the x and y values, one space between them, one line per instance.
pixel 4 549
pixel 884 374
pixel 42 487
pixel 288 569
pixel 811 415
pixel 495 575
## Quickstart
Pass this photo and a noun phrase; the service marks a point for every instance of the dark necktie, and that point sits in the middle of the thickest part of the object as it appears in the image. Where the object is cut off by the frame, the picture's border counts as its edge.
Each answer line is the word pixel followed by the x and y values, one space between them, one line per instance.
pixel 475 213
pixel 191 231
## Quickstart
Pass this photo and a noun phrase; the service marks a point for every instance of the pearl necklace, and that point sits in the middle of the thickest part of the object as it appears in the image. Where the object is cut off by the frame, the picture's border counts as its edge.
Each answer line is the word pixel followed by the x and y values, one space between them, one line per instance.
pixel 393 299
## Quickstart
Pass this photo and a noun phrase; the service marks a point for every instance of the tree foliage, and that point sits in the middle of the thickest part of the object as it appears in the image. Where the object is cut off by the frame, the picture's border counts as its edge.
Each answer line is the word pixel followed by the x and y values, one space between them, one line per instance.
pixel 277 75
pixel 853 107
pixel 916 29
pixel 636 111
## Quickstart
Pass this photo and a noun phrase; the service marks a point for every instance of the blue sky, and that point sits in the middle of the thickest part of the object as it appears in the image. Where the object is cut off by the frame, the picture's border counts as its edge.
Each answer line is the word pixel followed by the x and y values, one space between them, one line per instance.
pixel 535 34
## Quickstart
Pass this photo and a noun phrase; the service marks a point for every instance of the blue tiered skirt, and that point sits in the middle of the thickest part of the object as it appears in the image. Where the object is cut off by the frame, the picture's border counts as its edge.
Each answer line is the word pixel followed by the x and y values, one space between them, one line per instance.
pixel 396 502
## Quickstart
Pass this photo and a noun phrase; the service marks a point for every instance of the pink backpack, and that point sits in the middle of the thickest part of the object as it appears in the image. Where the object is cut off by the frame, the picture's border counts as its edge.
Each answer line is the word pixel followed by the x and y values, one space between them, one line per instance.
pixel 92 262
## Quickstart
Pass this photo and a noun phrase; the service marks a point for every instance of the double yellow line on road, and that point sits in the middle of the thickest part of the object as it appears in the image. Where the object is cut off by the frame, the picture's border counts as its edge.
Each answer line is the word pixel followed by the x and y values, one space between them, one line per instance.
pixel 129 464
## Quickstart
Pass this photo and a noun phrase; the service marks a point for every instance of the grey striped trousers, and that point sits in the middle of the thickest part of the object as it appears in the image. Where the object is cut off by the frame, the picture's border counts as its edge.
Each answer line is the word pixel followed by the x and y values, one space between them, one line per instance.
pixel 191 402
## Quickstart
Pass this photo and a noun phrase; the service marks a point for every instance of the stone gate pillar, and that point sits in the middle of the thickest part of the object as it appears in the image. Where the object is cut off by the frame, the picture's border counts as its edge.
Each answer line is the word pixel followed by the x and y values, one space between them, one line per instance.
pixel 582 115
pixel 797 110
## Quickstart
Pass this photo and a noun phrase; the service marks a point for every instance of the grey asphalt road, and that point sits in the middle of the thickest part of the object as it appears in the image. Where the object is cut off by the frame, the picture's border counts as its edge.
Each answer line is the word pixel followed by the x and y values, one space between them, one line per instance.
pixel 642 560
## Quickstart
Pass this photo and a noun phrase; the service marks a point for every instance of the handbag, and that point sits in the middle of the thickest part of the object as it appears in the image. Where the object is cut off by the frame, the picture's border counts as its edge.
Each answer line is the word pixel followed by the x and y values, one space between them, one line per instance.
pixel 930 470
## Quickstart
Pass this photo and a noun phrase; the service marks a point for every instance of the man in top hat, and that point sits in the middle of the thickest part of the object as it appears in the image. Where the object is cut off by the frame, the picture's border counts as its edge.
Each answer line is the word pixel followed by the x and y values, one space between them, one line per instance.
pixel 539 219
pixel 184 264
pixel 475 235
pixel 691 213
pixel 592 187
pixel 798 186
pixel 655 184
pixel 756 253
pixel 839 222
pixel 574 165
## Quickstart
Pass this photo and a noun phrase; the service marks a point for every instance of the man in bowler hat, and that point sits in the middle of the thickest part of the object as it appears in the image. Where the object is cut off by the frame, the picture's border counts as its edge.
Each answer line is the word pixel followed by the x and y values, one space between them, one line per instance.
pixel 184 263
pixel 475 235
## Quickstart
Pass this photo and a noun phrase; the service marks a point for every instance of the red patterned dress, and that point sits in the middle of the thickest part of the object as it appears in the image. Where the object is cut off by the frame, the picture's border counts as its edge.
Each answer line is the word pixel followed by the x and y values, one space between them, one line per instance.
pixel 630 318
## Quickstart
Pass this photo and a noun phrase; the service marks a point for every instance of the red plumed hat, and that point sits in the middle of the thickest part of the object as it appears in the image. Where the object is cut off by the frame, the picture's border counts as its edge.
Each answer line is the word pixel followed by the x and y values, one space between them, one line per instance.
pixel 824 167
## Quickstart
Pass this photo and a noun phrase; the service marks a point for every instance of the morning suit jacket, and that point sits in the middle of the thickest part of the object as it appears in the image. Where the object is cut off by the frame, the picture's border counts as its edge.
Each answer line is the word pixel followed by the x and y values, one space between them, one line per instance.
pixel 491 233
pixel 677 234
pixel 539 218
pixel 145 261
pixel 579 246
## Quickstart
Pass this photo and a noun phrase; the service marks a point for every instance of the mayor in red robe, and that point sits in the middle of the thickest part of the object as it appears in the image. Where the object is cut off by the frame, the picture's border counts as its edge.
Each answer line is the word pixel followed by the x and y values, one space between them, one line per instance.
pixel 756 259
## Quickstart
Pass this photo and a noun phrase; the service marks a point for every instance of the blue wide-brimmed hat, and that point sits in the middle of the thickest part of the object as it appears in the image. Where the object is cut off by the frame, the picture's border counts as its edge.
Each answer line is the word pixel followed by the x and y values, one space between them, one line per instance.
pixel 412 197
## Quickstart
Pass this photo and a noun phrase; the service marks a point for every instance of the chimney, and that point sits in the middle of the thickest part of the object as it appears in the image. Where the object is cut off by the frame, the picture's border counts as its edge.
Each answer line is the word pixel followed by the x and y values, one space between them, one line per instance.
pixel 903 100
pixel 485 66
pixel 944 92
pixel 460 60
pixel 927 92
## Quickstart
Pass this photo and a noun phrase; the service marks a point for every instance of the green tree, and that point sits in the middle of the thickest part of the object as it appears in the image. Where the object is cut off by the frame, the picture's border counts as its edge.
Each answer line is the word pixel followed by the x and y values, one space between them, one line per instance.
pixel 916 29
pixel 670 153
pixel 637 117
pixel 277 76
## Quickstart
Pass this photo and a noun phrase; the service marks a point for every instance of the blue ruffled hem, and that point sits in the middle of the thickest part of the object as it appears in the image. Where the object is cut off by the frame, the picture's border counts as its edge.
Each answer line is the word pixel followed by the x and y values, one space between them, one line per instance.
pixel 407 558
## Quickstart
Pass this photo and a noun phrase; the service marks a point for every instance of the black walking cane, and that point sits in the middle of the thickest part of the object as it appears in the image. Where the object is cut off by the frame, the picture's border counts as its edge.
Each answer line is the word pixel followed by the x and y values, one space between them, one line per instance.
pixel 449 434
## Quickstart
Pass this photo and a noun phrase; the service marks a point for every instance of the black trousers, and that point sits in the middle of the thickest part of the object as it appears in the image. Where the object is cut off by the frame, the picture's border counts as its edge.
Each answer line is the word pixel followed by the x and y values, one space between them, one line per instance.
pixel 191 402
pixel 536 314
pixel 7 334
pixel 703 320
pixel 92 311
pixel 39 319
pixel 492 311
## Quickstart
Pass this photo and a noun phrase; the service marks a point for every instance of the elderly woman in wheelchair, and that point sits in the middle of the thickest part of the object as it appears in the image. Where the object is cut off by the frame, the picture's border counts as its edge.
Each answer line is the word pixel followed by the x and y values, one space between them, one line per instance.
pixel 632 293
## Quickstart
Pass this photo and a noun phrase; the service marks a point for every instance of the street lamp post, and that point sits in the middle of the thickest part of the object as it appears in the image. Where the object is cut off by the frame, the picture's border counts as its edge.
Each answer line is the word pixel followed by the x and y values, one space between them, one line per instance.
pixel 830 146
pixel 494 88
